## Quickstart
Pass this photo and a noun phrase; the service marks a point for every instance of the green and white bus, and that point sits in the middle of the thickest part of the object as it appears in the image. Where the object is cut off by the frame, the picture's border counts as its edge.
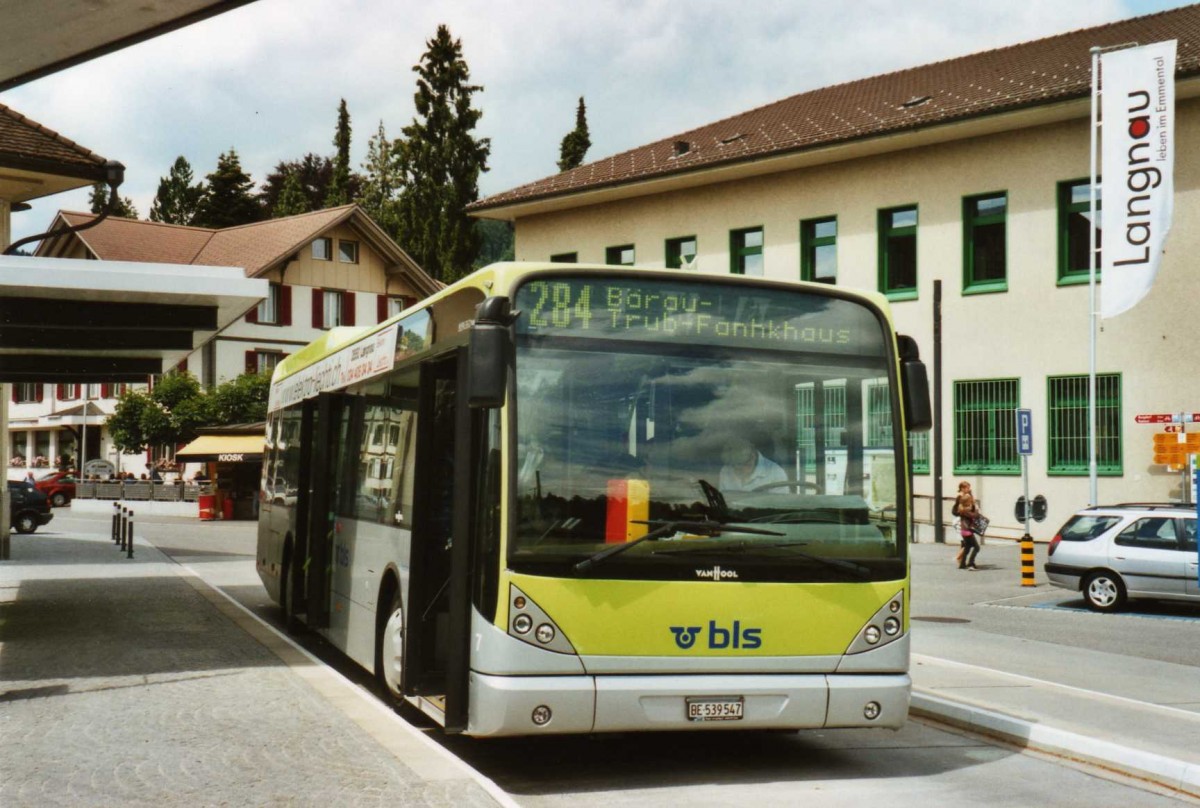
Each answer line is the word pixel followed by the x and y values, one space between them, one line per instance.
pixel 576 499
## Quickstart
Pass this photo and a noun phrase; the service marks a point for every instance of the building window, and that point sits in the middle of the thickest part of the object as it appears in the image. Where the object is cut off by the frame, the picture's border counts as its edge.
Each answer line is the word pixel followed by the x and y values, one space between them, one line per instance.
pixel 397 304
pixel 619 256
pixel 1067 403
pixel 95 391
pixel 331 309
pixel 347 251
pixel 265 361
pixel 26 392
pixel 681 251
pixel 746 251
pixel 565 258
pixel 832 415
pixel 918 452
pixel 322 249
pixel 879 415
pixel 984 243
pixel 818 250
pixel 68 392
pixel 898 253
pixel 985 426
pixel 268 309
pixel 1074 210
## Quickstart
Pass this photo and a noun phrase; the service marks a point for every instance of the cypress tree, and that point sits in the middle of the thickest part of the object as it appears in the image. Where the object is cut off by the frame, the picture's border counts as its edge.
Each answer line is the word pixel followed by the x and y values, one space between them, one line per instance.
pixel 227 201
pixel 177 198
pixel 439 162
pixel 576 142
pixel 339 185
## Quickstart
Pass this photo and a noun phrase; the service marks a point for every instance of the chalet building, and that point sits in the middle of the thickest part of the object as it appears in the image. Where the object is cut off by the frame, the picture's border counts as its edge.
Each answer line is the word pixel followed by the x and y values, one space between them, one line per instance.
pixel 971 175
pixel 329 268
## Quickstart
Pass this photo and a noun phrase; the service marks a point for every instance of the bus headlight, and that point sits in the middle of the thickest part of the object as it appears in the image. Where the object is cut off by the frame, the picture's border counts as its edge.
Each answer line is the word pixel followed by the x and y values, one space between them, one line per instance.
pixel 544 633
pixel 891 627
pixel 883 627
pixel 872 634
pixel 530 624
pixel 522 623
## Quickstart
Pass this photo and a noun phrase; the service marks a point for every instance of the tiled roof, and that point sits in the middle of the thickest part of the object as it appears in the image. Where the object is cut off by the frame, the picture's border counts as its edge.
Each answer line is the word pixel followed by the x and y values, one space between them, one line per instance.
pixel 25 143
pixel 1047 70
pixel 255 247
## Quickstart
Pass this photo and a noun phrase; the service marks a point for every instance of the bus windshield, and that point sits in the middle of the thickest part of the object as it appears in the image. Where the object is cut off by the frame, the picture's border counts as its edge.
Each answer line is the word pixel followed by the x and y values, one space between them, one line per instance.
pixel 748 429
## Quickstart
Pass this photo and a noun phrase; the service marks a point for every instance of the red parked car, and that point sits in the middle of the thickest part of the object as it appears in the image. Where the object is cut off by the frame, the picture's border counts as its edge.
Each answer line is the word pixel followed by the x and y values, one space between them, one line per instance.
pixel 58 486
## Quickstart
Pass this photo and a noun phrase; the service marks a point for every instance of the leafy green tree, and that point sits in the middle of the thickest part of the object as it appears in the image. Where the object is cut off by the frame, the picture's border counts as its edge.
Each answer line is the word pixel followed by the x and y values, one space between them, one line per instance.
pixel 314 172
pixel 228 200
pixel 125 424
pixel 98 200
pixel 381 184
pixel 242 400
pixel 496 242
pixel 576 142
pixel 339 184
pixel 178 195
pixel 439 162
pixel 292 199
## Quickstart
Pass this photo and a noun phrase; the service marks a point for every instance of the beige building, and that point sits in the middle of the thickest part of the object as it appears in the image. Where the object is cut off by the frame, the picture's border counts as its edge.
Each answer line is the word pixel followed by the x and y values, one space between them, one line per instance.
pixel 969 174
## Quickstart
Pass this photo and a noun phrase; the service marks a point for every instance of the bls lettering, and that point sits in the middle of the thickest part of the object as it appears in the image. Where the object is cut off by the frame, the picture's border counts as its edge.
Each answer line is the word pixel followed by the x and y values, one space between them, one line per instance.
pixel 719 638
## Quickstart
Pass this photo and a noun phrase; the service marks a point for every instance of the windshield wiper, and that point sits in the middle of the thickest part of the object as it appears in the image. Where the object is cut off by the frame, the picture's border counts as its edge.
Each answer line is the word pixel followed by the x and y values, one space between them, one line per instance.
pixel 707 528
pixel 836 563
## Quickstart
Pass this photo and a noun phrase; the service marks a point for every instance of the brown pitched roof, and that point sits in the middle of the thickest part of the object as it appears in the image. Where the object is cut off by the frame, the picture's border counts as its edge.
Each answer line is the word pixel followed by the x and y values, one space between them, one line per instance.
pixel 29 145
pixel 256 247
pixel 1044 71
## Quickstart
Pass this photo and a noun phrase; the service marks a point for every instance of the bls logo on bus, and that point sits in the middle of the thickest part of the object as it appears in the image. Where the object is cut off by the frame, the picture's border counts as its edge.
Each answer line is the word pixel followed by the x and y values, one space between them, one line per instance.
pixel 719 638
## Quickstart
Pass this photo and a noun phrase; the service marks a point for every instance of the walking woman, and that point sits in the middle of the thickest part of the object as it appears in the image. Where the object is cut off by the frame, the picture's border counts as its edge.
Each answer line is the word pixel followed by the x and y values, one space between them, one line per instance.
pixel 966 508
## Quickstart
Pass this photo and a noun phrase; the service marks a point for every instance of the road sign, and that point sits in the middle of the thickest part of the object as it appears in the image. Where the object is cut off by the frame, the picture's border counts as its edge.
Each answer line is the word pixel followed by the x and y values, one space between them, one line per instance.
pixel 1024 432
pixel 1173 428
pixel 1168 418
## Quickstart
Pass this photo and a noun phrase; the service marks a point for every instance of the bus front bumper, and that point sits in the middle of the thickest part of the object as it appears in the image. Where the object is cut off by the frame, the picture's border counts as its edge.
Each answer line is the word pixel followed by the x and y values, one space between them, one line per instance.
pixel 514 705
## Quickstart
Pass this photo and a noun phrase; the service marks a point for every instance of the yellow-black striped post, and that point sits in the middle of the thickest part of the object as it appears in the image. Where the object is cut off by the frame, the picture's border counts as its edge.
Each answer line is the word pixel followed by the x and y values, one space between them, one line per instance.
pixel 1027 561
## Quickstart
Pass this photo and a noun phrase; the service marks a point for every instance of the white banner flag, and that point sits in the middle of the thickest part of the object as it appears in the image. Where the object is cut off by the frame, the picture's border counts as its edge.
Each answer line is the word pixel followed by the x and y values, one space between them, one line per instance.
pixel 1137 167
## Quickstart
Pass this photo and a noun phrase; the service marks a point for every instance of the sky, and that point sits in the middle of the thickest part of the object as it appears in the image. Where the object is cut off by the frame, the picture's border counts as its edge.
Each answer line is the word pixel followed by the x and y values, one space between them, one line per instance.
pixel 266 79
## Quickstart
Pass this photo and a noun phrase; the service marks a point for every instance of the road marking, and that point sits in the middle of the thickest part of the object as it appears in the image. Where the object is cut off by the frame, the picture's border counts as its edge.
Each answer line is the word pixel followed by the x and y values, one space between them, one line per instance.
pixel 1194 716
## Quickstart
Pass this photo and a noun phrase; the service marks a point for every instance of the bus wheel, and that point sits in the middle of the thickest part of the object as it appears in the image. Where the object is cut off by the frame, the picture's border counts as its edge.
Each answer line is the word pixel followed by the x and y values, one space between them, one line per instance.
pixel 287 595
pixel 391 647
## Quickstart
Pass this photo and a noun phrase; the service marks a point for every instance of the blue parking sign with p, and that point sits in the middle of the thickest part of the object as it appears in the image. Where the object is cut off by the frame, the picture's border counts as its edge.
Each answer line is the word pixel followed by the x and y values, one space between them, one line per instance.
pixel 1024 432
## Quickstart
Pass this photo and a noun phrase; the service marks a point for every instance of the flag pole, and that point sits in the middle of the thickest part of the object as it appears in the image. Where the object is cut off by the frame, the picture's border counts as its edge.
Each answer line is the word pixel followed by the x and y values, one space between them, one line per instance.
pixel 1093 497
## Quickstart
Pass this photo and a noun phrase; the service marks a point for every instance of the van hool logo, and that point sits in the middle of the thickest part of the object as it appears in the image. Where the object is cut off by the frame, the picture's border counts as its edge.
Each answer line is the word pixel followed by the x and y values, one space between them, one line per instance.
pixel 718 638
pixel 717 574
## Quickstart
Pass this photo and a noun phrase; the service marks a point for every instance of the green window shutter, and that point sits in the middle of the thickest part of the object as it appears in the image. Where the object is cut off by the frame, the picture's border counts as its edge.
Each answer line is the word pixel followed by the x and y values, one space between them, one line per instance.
pixel 985 428
pixel 1067 433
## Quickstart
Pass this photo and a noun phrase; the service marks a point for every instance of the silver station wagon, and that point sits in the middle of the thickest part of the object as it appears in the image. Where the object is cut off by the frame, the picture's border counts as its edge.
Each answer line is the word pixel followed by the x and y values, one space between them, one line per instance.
pixel 1137 550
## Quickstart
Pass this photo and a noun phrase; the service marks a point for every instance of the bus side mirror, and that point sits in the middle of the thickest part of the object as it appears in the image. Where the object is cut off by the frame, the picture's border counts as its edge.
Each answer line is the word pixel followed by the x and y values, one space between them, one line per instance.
pixel 489 354
pixel 914 386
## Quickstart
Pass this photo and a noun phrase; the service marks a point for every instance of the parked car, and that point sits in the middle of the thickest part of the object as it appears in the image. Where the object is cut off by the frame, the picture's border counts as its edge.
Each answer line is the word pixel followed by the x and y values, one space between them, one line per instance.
pixel 1136 550
pixel 29 507
pixel 59 486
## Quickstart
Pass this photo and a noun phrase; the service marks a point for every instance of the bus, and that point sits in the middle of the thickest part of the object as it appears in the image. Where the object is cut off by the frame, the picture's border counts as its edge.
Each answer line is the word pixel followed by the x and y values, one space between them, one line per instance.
pixel 585 499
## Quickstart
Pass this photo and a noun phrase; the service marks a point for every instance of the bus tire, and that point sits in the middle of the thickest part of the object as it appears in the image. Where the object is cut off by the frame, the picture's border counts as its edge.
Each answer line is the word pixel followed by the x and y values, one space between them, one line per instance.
pixel 389 646
pixel 287 595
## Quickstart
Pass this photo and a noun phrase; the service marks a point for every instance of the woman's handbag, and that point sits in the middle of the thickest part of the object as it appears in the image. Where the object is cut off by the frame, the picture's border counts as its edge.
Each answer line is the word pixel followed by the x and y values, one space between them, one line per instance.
pixel 981 524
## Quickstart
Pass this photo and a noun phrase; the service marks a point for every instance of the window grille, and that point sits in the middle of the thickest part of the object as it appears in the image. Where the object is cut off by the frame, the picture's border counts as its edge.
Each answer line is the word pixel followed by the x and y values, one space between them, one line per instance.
pixel 1067 402
pixel 985 426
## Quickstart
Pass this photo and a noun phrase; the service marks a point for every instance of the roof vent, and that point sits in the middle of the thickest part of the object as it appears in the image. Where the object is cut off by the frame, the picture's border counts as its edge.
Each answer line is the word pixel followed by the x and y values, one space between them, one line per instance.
pixel 732 138
pixel 916 101
pixel 682 147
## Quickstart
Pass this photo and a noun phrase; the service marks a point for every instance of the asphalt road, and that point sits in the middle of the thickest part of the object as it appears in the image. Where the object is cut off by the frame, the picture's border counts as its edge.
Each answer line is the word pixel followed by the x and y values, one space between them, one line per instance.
pixel 978 617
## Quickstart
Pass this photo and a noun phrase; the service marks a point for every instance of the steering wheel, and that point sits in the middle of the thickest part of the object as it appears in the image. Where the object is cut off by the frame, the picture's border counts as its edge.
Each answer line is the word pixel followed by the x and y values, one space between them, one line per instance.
pixel 796 486
pixel 716 500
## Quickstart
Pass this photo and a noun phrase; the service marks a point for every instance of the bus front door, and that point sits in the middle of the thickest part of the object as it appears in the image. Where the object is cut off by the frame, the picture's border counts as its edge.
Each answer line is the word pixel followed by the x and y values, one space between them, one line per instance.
pixel 437 625
pixel 317 513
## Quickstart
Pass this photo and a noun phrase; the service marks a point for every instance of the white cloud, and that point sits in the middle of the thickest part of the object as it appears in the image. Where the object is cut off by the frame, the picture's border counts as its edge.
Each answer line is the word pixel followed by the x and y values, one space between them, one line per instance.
pixel 266 78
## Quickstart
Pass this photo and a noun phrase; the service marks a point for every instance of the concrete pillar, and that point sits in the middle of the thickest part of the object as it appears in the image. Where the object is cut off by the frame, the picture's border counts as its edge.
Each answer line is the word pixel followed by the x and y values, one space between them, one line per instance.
pixel 5 397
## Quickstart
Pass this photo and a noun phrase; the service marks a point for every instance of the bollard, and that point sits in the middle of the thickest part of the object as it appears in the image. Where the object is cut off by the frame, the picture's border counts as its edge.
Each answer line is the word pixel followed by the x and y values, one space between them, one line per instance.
pixel 129 548
pixel 116 521
pixel 1027 561
pixel 121 528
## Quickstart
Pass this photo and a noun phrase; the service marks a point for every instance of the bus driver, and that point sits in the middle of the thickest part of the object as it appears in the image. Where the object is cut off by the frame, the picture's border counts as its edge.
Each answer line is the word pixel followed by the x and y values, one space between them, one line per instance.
pixel 745 468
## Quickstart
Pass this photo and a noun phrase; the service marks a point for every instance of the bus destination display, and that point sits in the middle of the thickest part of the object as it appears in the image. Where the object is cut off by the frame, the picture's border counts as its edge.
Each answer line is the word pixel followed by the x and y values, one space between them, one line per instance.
pixel 711 314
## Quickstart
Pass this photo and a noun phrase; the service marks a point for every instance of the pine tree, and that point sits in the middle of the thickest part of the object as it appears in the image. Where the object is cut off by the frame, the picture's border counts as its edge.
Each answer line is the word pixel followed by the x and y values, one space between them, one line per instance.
pixel 439 162
pixel 339 185
pixel 292 199
pixel 381 184
pixel 576 142
pixel 177 198
pixel 227 201
pixel 98 200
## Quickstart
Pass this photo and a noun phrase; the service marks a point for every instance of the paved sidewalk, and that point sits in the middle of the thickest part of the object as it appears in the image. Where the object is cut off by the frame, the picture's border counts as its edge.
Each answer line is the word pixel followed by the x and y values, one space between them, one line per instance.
pixel 130 682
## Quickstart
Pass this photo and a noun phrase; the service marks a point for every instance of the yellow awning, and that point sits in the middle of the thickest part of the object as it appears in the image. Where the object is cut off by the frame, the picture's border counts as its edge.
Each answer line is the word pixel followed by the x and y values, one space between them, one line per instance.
pixel 223 449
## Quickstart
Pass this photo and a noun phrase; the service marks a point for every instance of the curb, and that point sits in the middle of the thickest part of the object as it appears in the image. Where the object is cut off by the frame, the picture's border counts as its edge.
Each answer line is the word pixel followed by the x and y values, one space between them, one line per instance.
pixel 1177 775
